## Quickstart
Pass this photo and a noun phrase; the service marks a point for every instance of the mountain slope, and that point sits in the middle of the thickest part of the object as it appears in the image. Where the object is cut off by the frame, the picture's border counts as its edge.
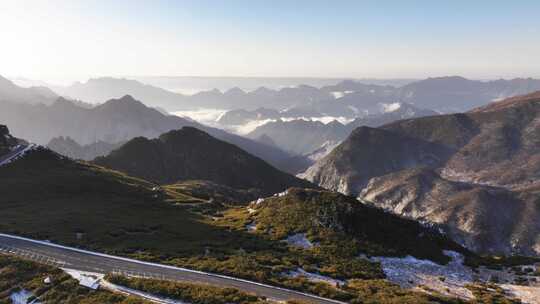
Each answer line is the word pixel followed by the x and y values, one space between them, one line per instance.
pixel 457 94
pixel 33 95
pixel 486 158
pixel 112 212
pixel 370 152
pixel 325 216
pixel 189 153
pixel 100 90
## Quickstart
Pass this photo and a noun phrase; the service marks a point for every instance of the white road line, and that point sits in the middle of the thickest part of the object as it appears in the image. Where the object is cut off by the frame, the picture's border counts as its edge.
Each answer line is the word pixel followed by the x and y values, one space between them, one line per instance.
pixel 8 160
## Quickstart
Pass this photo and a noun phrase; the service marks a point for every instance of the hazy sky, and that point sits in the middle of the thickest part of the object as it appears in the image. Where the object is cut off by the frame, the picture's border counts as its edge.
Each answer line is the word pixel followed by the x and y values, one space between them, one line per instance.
pixel 478 39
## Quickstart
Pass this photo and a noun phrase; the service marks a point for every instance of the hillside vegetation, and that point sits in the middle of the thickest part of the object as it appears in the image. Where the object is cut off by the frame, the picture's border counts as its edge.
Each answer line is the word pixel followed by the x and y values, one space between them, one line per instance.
pixel 189 153
pixel 101 209
pixel 17 274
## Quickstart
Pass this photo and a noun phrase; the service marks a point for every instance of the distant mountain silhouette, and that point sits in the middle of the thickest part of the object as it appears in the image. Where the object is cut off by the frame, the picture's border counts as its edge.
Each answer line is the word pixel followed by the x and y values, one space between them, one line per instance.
pixel 116 121
pixel 354 99
pixel 188 154
pixel 303 137
pixel 70 148
pixel 100 90
pixel 33 95
pixel 458 94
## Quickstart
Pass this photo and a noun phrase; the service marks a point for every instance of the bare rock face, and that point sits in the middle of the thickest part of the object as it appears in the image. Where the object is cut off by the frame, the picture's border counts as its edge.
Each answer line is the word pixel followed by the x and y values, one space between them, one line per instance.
pixel 482 218
pixel 476 173
pixel 370 152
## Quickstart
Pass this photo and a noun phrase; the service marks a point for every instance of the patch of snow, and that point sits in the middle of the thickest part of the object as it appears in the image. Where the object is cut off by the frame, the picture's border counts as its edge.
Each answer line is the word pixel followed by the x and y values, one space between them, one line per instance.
pixel 281 194
pixel 410 272
pixel 86 279
pixel 251 227
pixel 259 200
pixel 337 94
pixel 22 296
pixel 299 240
pixel 527 294
pixel 314 277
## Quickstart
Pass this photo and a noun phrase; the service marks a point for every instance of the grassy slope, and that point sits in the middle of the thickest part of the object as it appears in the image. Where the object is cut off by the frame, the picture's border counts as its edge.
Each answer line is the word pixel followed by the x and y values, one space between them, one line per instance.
pixel 48 197
pixel 187 292
pixel 331 218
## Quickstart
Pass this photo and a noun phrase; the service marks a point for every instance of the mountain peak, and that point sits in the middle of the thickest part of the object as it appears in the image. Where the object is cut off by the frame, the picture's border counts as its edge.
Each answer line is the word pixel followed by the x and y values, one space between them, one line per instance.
pixel 510 102
pixel 364 130
pixel 127 98
pixel 183 133
pixel 124 101
pixel 192 154
pixel 235 91
pixel 262 90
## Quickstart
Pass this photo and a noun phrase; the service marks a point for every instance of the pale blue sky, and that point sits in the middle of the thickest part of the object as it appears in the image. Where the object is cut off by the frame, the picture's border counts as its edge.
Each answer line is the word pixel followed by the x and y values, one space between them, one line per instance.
pixel 385 39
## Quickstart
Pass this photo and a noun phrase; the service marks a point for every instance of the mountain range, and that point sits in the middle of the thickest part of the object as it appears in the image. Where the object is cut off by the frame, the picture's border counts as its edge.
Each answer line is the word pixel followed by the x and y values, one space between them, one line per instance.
pixel 113 122
pixel 477 172
pixel 347 98
pixel 99 90
pixel 13 93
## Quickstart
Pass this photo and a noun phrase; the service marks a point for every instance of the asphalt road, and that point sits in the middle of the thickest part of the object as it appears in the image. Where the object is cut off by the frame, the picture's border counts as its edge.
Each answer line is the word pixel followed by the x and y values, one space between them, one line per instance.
pixel 95 262
pixel 12 154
